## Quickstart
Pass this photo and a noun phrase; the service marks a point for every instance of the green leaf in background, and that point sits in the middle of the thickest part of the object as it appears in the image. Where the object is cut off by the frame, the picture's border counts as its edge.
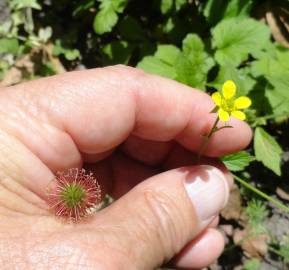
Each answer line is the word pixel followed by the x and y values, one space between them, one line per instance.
pixel 162 63
pixel 237 161
pixel 166 6
pixel 273 65
pixel 168 53
pixel 9 45
pixel 117 52
pixel 62 49
pixel 189 67
pixel 192 69
pixel 267 150
pixel 234 39
pixel 19 4
pixel 215 10
pixel 187 73
pixel 107 17
pixel 273 62
pixel 154 65
pixel 105 20
pixel 252 264
pixel 193 46
pixel 180 4
pixel 240 76
pixel 118 5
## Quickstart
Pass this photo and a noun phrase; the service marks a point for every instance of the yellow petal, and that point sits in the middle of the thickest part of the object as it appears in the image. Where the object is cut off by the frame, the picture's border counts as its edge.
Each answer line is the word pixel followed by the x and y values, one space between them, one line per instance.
pixel 216 97
pixel 242 103
pixel 239 115
pixel 223 115
pixel 229 89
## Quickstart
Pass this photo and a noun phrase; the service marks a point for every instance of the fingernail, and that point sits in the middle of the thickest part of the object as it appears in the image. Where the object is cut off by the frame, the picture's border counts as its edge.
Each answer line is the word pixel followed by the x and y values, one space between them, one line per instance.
pixel 208 190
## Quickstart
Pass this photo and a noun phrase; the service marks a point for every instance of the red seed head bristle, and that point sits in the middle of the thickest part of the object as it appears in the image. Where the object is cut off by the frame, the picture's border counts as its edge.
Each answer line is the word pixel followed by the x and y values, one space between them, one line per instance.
pixel 74 194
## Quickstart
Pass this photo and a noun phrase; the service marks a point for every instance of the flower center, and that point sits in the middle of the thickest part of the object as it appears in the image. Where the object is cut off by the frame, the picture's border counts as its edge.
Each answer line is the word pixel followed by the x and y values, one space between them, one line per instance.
pixel 228 105
pixel 73 195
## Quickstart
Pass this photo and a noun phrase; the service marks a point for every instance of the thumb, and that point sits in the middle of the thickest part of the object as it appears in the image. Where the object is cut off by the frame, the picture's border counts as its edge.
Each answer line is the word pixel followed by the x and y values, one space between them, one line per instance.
pixel 157 218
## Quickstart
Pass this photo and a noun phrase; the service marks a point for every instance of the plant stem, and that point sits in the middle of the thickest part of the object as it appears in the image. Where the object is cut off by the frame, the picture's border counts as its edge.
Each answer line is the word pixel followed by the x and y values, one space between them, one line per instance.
pixel 207 139
pixel 262 194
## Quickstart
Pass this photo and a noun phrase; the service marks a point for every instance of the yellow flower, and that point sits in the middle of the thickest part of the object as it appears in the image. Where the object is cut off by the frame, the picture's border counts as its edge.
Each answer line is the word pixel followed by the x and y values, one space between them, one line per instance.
pixel 228 105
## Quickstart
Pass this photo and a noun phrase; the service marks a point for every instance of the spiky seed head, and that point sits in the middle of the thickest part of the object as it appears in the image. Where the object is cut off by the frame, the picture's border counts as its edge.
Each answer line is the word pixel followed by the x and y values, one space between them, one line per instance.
pixel 73 194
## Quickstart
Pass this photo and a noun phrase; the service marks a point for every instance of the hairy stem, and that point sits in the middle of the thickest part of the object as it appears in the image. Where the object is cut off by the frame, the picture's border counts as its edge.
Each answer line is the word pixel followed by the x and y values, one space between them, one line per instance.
pixel 277 203
pixel 207 139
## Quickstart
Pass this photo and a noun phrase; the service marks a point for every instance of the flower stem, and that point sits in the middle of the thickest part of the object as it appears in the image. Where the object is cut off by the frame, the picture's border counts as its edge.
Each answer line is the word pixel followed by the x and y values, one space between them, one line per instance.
pixel 207 139
pixel 277 203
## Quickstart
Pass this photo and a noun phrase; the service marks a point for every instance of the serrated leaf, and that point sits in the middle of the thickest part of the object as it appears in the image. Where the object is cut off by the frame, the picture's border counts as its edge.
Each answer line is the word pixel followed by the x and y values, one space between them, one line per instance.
pixel 189 73
pixel 154 65
pixel 234 39
pixel 193 45
pixel 237 161
pixel 240 76
pixel 105 20
pixel 267 150
pixel 193 67
pixel 168 53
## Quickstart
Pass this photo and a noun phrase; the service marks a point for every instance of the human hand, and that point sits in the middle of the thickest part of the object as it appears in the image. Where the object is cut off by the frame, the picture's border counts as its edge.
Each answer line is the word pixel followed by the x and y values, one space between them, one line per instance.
pixel 135 131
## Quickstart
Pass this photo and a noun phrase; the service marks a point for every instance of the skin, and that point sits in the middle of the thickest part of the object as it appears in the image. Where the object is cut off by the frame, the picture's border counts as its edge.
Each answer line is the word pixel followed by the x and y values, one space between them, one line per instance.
pixel 127 127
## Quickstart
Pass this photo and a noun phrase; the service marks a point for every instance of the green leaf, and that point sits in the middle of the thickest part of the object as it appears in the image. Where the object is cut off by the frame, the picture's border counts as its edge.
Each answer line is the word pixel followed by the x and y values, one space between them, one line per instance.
pixel 215 10
pixel 272 64
pixel 238 8
pixel 186 72
pixel 118 5
pixel 193 66
pixel 240 76
pixel 105 20
pixel 19 4
pixel 252 264
pixel 60 48
pixel 267 150
pixel 234 39
pixel 168 53
pixel 166 6
pixel 278 103
pixel 180 4
pixel 237 161
pixel 9 45
pixel 189 67
pixel 107 17
pixel 193 46
pixel 152 64
pixel 117 52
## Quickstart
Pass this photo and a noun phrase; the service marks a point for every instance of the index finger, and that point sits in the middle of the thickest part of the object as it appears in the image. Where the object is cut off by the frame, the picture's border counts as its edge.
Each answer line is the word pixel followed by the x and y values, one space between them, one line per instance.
pixel 100 108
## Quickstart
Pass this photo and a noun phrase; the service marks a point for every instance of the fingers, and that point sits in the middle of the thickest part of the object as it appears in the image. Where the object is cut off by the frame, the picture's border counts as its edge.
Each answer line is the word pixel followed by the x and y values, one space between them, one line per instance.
pixel 202 251
pixel 93 111
pixel 147 151
pixel 164 213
